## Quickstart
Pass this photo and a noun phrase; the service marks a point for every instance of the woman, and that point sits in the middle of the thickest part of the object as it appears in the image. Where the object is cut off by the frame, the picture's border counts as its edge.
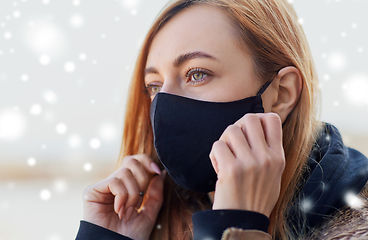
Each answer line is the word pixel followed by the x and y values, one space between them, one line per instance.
pixel 224 97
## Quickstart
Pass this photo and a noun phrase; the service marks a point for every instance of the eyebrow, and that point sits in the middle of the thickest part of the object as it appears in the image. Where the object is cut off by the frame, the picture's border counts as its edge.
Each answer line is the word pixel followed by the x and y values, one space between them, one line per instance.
pixel 181 59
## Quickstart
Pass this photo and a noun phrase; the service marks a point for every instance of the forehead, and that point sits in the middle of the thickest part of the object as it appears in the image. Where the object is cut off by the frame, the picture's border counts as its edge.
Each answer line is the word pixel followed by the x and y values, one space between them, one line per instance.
pixel 197 28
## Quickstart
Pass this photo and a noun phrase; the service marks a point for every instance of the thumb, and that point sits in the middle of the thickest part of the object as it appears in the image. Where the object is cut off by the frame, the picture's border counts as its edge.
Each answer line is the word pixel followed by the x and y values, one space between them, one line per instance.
pixel 154 196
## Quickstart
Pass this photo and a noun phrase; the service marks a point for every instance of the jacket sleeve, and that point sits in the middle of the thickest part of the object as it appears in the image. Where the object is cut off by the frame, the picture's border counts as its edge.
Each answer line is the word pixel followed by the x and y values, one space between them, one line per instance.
pixel 90 231
pixel 230 225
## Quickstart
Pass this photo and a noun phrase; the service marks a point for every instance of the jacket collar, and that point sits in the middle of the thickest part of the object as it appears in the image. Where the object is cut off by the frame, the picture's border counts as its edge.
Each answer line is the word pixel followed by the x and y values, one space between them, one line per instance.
pixel 334 171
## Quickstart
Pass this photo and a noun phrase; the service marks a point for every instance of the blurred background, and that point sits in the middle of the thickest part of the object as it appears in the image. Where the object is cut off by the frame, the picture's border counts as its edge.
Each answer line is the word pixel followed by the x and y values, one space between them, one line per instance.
pixel 65 67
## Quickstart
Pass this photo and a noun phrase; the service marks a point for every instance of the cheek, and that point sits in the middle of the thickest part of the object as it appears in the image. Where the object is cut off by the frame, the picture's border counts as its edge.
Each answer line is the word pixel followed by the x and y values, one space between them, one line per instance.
pixel 230 88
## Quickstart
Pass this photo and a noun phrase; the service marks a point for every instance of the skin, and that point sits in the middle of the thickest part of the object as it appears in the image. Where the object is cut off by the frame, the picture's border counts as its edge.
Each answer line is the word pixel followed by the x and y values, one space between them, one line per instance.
pixel 248 157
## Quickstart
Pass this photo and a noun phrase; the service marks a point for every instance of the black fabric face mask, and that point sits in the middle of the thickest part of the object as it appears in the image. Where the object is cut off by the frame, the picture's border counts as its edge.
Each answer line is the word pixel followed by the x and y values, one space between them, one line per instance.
pixel 185 129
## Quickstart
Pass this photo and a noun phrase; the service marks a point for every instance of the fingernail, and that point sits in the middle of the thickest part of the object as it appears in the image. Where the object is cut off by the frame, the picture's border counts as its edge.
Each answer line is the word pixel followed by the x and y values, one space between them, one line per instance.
pixel 128 214
pixel 121 212
pixel 155 168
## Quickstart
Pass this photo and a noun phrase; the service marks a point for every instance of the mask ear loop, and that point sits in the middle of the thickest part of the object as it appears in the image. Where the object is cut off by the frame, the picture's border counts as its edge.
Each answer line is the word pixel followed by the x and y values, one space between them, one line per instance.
pixel 263 88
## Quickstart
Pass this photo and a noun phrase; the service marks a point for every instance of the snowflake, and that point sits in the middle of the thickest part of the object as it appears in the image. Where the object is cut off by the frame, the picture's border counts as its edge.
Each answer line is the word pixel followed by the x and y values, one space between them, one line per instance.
pixel 353 200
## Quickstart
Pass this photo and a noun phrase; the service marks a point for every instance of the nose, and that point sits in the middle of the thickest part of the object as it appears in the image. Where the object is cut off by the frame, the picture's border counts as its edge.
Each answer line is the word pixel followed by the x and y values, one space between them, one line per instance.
pixel 170 87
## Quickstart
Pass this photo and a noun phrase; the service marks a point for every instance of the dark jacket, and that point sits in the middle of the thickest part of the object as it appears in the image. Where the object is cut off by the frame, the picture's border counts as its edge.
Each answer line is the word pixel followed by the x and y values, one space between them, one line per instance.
pixel 334 172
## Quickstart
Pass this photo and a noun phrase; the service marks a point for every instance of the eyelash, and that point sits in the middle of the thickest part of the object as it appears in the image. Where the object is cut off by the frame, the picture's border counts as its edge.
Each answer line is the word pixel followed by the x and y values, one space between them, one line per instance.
pixel 148 88
pixel 190 71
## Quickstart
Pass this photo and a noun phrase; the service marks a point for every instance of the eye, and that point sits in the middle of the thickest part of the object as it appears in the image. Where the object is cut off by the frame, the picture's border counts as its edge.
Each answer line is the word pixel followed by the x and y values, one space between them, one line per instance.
pixel 197 75
pixel 153 88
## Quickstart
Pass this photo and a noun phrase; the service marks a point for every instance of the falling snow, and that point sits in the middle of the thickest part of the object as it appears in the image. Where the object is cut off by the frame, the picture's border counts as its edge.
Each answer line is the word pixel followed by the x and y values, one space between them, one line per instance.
pixel 87 167
pixel 337 61
pixel 7 35
pixel 65 73
pixel 95 143
pixel 69 67
pixel 353 200
pixel 36 109
pixel 31 161
pixel 108 131
pixel 45 195
pixel 130 4
pixel 77 21
pixel 356 88
pixel 61 128
pixel 306 205
pixel 326 77
pixel 60 186
pixel 16 14
pixel 44 60
pixel 82 56
pixel 12 124
pixel 24 78
pixel 45 38
pixel 74 141
pixel 328 137
pixel 49 96
pixel 76 3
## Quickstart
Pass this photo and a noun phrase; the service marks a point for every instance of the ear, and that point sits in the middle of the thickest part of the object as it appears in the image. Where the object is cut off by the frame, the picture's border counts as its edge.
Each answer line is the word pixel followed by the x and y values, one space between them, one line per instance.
pixel 287 91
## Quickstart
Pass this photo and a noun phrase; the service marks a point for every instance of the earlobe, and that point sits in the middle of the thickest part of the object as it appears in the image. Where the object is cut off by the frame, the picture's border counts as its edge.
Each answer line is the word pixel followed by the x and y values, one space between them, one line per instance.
pixel 289 90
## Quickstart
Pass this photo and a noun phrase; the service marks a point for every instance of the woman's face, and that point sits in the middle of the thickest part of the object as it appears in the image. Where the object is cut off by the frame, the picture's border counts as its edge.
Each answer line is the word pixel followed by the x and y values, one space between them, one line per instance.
pixel 195 55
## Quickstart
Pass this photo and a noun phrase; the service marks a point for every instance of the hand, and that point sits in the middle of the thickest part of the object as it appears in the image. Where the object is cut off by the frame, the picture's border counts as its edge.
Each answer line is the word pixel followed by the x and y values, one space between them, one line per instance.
pixel 112 203
pixel 249 161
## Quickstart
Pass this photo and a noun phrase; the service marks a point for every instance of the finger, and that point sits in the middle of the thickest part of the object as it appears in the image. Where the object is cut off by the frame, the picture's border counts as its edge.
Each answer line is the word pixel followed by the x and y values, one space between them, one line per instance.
pixel 213 160
pixel 138 171
pixel 272 126
pixel 154 197
pixel 103 195
pixel 235 139
pixel 146 162
pixel 222 155
pixel 131 186
pixel 253 131
pixel 128 213
pixel 140 200
pixel 112 190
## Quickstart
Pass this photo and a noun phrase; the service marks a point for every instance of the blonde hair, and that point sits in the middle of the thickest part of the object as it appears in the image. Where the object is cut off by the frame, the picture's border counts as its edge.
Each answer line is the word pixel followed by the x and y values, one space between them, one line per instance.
pixel 271 32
